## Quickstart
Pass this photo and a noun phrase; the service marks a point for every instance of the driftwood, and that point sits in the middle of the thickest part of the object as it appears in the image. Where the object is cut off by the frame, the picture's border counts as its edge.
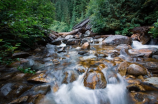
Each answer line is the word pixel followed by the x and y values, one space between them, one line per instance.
pixel 69 33
pixel 81 24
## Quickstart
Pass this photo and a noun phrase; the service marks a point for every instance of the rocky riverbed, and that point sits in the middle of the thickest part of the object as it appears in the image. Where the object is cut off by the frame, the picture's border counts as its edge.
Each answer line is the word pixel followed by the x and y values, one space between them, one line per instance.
pixel 103 69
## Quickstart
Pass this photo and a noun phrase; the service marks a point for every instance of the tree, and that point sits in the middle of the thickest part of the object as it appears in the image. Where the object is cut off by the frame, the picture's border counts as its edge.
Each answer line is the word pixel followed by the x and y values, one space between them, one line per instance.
pixel 23 23
pixel 121 15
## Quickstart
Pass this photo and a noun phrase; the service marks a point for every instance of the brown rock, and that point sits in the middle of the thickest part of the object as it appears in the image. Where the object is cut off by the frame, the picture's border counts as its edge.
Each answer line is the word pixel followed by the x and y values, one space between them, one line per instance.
pixel 144 52
pixel 70 76
pixel 43 89
pixel 144 98
pixel 133 82
pixel 19 100
pixel 41 77
pixel 55 88
pixel 101 66
pixel 135 87
pixel 136 70
pixel 95 80
pixel 85 45
pixel 122 68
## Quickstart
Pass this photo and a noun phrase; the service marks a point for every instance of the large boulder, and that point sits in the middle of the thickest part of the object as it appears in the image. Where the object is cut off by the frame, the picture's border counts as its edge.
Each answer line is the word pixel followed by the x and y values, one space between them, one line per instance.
pixel 116 40
pixel 136 70
pixel 95 80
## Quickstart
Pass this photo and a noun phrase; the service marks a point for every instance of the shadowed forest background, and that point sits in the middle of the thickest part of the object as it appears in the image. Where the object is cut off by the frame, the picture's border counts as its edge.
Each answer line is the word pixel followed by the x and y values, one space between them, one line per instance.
pixel 25 23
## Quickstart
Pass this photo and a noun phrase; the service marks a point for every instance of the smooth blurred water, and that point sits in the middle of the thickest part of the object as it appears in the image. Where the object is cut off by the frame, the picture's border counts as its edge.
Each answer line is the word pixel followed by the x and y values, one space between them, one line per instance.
pixel 139 45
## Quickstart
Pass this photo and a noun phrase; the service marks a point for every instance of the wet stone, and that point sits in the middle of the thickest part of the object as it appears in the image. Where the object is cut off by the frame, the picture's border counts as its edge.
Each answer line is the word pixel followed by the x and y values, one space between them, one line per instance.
pixel 95 80
pixel 122 68
pixel 70 76
pixel 73 41
pixel 20 55
pixel 83 52
pixel 137 70
pixel 20 100
pixel 116 40
pixel 135 87
pixel 42 89
pixel 125 46
pixel 155 56
pixel 144 52
pixel 85 45
pixel 39 78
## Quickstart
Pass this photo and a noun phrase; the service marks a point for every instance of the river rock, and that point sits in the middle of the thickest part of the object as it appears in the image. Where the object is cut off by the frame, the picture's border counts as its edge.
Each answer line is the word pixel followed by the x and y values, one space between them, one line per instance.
pixel 85 45
pixel 73 41
pixel 144 98
pixel 122 68
pixel 135 87
pixel 101 67
pixel 39 78
pixel 150 85
pixel 56 42
pixel 19 76
pixel 118 60
pixel 87 39
pixel 36 99
pixel 42 89
pixel 137 70
pixel 69 37
pixel 20 100
pixel 151 66
pixel 20 55
pixel 70 76
pixel 95 80
pixel 144 52
pixel 125 46
pixel 155 56
pixel 116 40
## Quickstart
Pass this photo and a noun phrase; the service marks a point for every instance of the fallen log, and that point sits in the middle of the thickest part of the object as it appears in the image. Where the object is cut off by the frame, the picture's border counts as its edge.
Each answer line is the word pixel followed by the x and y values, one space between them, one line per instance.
pixel 69 33
pixel 81 24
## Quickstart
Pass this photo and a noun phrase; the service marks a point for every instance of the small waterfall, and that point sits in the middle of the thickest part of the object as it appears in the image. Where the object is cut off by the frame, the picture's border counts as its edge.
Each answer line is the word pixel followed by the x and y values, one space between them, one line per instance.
pixel 139 45
pixel 77 93
pixel 62 44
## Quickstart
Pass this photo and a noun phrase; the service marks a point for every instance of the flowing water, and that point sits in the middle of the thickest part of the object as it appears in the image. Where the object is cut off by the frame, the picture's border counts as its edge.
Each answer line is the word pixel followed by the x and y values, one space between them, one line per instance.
pixel 75 92
pixel 139 45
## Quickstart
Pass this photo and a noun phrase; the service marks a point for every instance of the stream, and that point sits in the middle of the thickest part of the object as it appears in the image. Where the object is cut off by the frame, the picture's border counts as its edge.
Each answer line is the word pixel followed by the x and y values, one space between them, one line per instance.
pixel 66 69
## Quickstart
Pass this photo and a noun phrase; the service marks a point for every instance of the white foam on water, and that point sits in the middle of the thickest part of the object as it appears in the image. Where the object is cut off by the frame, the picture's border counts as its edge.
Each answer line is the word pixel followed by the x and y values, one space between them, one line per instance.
pixel 77 93
pixel 139 45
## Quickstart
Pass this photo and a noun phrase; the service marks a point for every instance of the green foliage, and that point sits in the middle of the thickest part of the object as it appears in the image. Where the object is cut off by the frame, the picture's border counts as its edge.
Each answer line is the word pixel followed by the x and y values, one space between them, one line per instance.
pixel 121 15
pixel 26 70
pixel 154 30
pixel 59 26
pixel 23 23
pixel 70 11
